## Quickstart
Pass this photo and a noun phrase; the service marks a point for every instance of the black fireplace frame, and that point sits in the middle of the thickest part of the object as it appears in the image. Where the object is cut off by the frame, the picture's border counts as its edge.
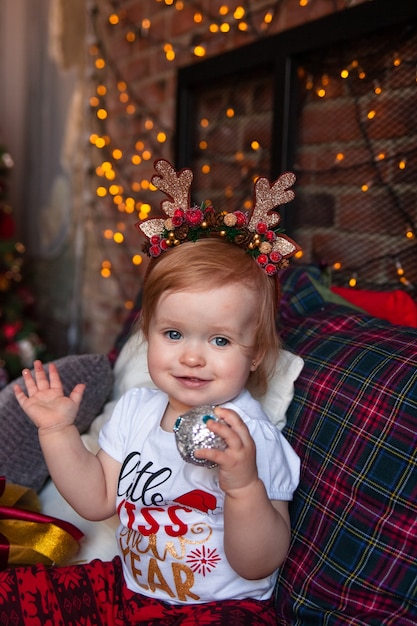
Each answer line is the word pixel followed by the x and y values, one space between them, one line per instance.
pixel 278 54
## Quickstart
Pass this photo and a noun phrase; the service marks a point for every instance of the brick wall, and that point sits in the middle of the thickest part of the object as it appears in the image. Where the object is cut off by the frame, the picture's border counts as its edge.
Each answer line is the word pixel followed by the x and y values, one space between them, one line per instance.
pixel 356 161
pixel 148 99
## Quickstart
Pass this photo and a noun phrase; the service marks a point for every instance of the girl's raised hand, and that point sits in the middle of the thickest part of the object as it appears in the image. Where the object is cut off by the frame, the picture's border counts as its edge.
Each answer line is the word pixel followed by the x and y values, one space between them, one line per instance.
pixel 45 402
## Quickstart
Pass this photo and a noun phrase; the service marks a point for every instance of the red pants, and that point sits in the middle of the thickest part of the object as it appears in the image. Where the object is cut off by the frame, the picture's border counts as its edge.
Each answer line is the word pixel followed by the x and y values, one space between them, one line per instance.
pixel 94 594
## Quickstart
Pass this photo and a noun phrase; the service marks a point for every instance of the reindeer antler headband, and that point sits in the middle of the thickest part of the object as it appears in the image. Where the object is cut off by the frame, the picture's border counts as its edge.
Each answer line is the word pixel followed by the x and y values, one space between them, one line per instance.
pixel 257 233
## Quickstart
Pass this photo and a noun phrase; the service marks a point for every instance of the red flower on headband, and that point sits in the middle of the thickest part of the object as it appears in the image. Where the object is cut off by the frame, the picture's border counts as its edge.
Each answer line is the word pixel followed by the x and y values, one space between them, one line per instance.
pixel 275 256
pixel 262 259
pixel 270 269
pixel 178 217
pixel 155 250
pixel 261 228
pixel 241 218
pixel 194 216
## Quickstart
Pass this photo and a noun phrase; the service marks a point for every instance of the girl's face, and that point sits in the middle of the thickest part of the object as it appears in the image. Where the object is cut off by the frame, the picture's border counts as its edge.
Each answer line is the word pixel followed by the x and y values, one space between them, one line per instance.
pixel 201 345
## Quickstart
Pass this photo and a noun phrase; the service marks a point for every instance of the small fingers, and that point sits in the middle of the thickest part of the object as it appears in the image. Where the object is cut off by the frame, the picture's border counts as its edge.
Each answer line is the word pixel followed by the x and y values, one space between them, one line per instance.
pixel 77 393
pixel 225 431
pixel 19 394
pixel 54 378
pixel 34 381
pixel 40 381
pixel 40 376
pixel 234 429
pixel 210 454
pixel 231 417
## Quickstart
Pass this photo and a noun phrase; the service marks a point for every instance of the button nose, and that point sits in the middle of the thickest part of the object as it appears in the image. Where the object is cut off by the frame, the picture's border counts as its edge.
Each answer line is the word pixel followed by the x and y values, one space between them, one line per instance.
pixel 192 356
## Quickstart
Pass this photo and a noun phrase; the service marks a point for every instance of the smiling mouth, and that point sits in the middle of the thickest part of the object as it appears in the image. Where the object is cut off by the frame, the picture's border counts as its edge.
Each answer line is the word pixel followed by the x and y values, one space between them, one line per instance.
pixel 192 381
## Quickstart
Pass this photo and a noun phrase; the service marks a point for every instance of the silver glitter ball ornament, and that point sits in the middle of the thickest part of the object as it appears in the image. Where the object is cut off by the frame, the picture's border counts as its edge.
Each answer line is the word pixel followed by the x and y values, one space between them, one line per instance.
pixel 191 433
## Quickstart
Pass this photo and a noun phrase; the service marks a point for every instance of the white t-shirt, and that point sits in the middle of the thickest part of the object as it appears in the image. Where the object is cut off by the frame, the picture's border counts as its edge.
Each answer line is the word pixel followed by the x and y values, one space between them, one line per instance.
pixel 171 512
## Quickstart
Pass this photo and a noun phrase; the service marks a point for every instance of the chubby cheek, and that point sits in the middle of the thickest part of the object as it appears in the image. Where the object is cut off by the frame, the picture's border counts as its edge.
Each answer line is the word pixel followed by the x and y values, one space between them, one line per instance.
pixel 155 358
pixel 237 369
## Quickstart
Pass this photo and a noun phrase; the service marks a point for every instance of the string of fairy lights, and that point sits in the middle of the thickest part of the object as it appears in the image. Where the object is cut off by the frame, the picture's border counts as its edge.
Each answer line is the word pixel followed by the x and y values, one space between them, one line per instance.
pixel 116 169
pixel 398 156
pixel 126 134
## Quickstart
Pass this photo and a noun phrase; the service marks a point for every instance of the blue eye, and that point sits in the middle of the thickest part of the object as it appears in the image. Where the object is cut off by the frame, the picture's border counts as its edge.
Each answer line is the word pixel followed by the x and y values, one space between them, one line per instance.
pixel 173 334
pixel 220 341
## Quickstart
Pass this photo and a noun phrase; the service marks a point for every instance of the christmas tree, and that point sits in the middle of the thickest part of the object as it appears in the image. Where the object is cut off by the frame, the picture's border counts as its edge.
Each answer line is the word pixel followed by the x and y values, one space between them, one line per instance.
pixel 20 344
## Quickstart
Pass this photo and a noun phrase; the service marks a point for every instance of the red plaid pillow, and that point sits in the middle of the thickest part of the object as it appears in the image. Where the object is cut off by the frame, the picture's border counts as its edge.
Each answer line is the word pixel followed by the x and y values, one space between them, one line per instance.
pixel 353 421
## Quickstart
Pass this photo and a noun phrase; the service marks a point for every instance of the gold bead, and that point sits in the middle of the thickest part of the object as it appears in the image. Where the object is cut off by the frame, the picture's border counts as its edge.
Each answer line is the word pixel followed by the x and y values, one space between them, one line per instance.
pixel 222 233
pixel 204 224
pixel 171 235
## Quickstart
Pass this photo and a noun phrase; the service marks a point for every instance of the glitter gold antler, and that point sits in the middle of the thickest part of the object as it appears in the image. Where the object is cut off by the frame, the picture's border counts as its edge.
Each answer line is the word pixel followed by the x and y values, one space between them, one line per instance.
pixel 175 185
pixel 268 196
pixel 258 234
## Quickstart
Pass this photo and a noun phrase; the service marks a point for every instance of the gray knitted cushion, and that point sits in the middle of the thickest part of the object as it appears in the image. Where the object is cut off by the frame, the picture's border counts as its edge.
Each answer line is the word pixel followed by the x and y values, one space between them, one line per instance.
pixel 21 459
